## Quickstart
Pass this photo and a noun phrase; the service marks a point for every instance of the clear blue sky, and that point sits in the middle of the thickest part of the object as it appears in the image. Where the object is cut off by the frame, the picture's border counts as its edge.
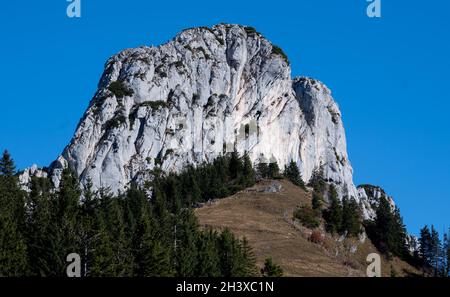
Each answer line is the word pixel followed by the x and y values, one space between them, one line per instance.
pixel 390 77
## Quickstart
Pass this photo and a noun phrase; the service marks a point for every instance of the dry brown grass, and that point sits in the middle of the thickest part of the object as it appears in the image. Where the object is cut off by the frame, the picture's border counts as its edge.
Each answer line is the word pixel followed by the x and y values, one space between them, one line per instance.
pixel 265 219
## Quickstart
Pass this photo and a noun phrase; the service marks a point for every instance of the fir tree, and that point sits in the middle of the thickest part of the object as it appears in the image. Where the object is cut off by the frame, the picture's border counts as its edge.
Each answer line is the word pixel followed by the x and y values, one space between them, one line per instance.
pixel 248 258
pixel 235 165
pixel 292 173
pixel 435 251
pixel 317 202
pixel 185 246
pixel 7 166
pixel 39 227
pixel 273 170
pixel 425 245
pixel 208 264
pixel 271 270
pixel 350 217
pixel 151 257
pixel 333 215
pixel 263 170
pixel 65 225
pixel 231 261
pixel 13 250
pixel 247 171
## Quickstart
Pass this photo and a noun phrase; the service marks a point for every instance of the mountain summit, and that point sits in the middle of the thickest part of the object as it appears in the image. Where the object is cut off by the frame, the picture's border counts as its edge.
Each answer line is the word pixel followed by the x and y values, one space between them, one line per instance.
pixel 207 92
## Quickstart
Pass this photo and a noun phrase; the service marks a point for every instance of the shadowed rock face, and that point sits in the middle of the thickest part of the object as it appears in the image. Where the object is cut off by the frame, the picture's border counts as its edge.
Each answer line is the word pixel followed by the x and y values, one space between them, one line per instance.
pixel 206 92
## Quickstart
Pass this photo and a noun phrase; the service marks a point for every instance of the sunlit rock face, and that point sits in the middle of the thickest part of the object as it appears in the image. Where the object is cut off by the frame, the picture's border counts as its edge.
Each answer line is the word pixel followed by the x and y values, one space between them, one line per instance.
pixel 207 92
pixel 369 197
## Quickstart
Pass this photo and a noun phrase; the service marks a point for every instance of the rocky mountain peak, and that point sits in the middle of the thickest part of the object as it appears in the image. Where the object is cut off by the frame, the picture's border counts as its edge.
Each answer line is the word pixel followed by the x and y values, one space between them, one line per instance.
pixel 206 92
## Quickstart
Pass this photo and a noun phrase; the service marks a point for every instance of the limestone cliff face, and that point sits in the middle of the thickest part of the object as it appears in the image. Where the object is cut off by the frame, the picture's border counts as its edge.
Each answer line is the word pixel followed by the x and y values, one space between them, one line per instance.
pixel 206 92
pixel 369 196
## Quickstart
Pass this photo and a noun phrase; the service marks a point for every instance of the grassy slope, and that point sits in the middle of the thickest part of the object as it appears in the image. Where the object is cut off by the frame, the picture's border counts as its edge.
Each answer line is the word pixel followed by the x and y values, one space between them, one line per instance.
pixel 265 219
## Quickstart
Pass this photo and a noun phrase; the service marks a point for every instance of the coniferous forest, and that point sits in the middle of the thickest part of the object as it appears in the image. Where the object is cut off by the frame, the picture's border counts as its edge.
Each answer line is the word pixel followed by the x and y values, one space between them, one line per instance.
pixel 152 231
pixel 132 234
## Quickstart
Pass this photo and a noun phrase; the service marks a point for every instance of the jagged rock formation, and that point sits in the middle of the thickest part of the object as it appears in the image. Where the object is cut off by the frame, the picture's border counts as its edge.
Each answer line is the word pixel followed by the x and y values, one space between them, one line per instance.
pixel 369 197
pixel 206 92
pixel 28 173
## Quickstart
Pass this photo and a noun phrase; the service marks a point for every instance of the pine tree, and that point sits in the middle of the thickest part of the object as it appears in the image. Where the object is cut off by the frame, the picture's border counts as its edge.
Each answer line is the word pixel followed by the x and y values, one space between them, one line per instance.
pixel 317 202
pixel 13 251
pixel 350 217
pixel 273 170
pixel 185 246
pixel 120 243
pixel 318 183
pixel 435 250
pixel 271 270
pixel 208 264
pixel 102 263
pixel 292 173
pixel 388 231
pixel 333 215
pixel 383 224
pixel 425 245
pixel 66 222
pixel 88 233
pixel 263 170
pixel 247 171
pixel 249 259
pixel 151 257
pixel 445 256
pixel 231 263
pixel 39 228
pixel 7 166
pixel 447 249
pixel 235 165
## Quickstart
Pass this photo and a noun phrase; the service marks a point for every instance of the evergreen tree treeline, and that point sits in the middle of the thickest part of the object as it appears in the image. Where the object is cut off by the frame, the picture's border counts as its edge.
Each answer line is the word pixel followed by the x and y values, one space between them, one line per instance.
pixel 434 253
pixel 126 235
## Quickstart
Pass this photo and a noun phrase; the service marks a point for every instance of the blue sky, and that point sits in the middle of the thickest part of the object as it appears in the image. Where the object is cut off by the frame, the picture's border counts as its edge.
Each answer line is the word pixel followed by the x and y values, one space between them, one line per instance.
pixel 390 77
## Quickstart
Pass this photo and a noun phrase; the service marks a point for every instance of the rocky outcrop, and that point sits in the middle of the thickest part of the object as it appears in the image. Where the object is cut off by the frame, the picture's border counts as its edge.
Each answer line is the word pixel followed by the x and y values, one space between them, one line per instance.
pixel 28 173
pixel 369 197
pixel 207 92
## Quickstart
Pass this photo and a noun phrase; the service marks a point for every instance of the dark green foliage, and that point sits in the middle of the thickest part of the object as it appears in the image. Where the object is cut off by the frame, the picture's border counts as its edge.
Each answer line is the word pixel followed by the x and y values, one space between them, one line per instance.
pixel 319 184
pixel 271 270
pixel 388 232
pixel 13 249
pixel 270 170
pixel 273 170
pixel 342 217
pixel 263 170
pixel 292 173
pixel 119 89
pixel 434 253
pixel 7 166
pixel 307 216
pixel 126 235
pixel 235 165
pixel 155 105
pixel 208 263
pixel 115 122
pixel 248 174
pixel 317 201
pixel 278 51
pixel 351 219
pixel 248 259
pixel 251 31
pixel 333 215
